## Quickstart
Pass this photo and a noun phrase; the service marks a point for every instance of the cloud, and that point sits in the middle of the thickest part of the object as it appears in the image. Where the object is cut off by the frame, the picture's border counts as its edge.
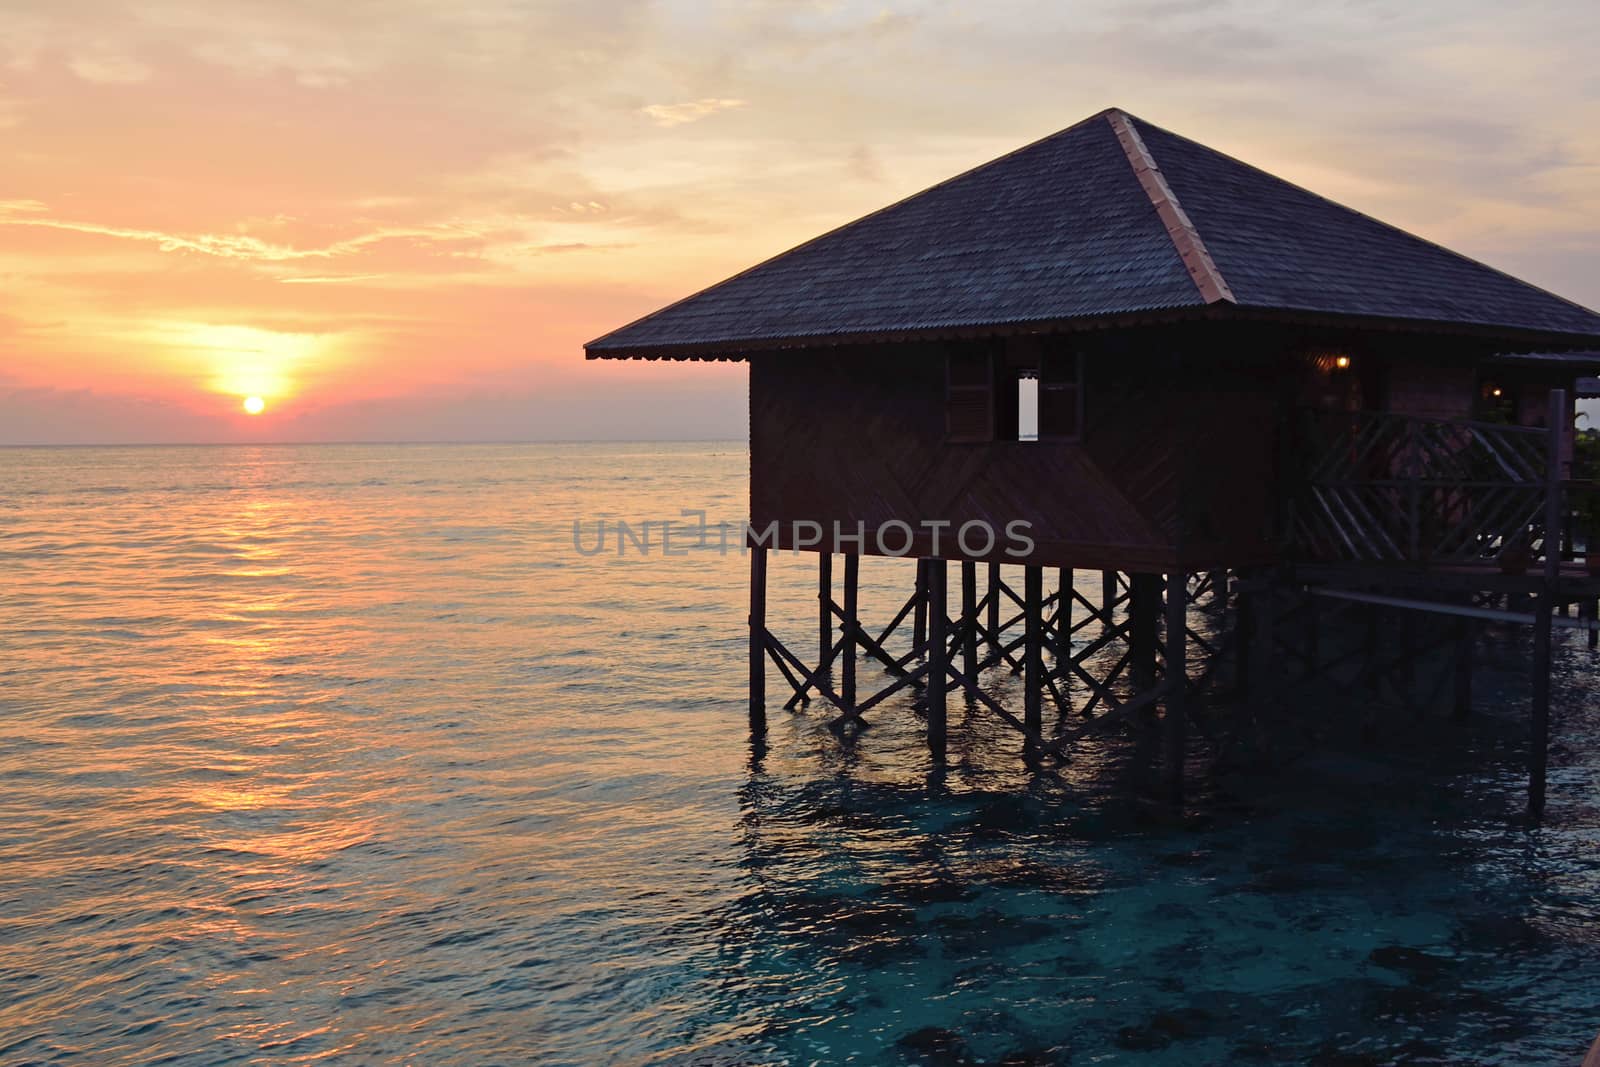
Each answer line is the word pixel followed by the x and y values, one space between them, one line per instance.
pixel 472 189
pixel 109 69
pixel 243 246
pixel 691 111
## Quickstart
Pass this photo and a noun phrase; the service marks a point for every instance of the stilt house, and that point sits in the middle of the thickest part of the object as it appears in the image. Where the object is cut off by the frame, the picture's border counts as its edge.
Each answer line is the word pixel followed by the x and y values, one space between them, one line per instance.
pixel 1162 360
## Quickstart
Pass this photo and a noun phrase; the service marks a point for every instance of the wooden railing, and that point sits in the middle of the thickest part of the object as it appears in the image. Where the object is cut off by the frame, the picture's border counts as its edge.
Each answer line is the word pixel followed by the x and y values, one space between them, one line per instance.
pixel 1382 487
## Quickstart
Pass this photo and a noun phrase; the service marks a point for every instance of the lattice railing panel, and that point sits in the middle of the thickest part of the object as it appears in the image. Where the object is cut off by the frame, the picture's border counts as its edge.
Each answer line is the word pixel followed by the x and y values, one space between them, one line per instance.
pixel 1397 488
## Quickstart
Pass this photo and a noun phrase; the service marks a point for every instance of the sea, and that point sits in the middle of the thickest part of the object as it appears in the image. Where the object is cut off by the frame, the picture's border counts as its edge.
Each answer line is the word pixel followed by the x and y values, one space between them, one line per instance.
pixel 379 754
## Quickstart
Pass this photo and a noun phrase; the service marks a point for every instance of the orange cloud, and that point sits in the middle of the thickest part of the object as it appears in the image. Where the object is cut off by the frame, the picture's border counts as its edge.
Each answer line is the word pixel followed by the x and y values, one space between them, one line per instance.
pixel 691 111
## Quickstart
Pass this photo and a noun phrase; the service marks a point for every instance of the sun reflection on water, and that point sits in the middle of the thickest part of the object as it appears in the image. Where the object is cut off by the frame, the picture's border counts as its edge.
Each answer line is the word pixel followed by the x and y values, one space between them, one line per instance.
pixel 341 753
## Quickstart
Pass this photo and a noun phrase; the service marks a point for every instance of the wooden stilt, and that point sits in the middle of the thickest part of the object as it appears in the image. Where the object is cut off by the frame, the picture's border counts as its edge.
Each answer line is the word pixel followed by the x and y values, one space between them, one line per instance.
pixel 851 624
pixel 1144 611
pixel 1219 588
pixel 938 656
pixel 919 625
pixel 824 610
pixel 1594 613
pixel 1544 610
pixel 1108 594
pixel 1369 650
pixel 1032 659
pixel 1064 611
pixel 758 638
pixel 1462 704
pixel 1408 662
pixel 1264 677
pixel 1539 742
pixel 1244 645
pixel 969 616
pixel 1175 723
pixel 994 605
pixel 1313 638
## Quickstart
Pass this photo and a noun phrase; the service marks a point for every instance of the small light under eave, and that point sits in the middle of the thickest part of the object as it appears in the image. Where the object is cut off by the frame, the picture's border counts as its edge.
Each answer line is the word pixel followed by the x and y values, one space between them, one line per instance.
pixel 1496 391
pixel 1342 362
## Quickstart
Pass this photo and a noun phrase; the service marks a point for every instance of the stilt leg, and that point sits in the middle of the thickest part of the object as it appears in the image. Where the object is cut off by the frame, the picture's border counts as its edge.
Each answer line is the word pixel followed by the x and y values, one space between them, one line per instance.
pixel 824 611
pixel 1244 645
pixel 758 638
pixel 848 654
pixel 1263 654
pixel 1032 662
pixel 1408 668
pixel 969 616
pixel 1539 742
pixel 1108 594
pixel 1144 611
pixel 919 625
pixel 1175 723
pixel 1064 612
pixel 938 657
pixel 1313 638
pixel 1462 705
pixel 994 605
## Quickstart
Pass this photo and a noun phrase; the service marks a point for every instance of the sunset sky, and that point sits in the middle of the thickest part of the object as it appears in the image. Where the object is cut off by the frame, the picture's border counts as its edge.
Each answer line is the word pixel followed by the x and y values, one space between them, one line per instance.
pixel 400 220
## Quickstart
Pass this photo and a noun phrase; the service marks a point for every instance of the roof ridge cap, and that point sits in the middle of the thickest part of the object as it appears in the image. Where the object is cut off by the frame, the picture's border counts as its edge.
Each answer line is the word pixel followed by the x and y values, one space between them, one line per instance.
pixel 1402 230
pixel 1186 239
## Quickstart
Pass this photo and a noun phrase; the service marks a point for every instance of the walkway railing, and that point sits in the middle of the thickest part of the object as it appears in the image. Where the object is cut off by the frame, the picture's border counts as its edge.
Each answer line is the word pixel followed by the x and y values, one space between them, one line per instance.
pixel 1383 487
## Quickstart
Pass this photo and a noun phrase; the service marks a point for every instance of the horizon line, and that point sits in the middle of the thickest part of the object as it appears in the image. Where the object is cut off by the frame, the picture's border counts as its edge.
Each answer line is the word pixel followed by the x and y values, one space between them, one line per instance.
pixel 296 444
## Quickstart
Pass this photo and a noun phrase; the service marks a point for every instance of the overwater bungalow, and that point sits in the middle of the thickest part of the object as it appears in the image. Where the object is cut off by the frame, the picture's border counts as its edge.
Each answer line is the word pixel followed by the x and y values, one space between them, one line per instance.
pixel 1169 367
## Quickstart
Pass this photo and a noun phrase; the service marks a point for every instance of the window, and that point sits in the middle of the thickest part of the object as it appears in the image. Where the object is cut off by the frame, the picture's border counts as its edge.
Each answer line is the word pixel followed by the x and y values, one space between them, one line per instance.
pixel 1027 407
pixel 1028 389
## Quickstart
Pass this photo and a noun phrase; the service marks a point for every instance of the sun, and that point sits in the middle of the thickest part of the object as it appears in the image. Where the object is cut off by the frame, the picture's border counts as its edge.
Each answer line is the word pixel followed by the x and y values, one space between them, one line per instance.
pixel 254 405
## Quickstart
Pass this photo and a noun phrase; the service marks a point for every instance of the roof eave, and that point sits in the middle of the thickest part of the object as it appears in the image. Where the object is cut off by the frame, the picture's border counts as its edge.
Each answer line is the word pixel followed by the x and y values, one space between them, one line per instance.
pixel 740 349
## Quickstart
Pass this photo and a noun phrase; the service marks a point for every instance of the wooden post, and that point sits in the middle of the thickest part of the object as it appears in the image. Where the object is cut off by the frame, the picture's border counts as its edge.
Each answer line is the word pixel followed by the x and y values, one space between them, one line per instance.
pixel 1313 638
pixel 1032 662
pixel 1244 641
pixel 1108 594
pixel 1263 651
pixel 1593 616
pixel 847 654
pixel 1064 612
pixel 1408 665
pixel 1177 683
pixel 1539 743
pixel 938 656
pixel 1219 588
pixel 1463 689
pixel 969 616
pixel 824 611
pixel 1144 612
pixel 994 605
pixel 919 624
pixel 758 638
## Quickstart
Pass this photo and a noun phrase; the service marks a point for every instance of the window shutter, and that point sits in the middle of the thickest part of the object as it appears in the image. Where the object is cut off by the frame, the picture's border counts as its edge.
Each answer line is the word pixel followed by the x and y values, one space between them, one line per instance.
pixel 1060 396
pixel 969 396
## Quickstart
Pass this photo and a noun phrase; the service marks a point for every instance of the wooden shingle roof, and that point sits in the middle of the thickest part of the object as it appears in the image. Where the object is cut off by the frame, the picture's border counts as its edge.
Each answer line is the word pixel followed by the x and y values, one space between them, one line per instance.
pixel 1110 218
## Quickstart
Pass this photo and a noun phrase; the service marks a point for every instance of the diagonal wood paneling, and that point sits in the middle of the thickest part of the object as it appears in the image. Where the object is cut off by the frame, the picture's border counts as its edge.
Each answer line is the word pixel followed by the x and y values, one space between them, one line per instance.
pixel 853 434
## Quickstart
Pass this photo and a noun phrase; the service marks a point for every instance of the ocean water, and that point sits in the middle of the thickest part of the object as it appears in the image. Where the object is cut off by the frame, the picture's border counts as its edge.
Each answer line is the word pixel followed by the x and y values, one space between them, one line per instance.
pixel 345 754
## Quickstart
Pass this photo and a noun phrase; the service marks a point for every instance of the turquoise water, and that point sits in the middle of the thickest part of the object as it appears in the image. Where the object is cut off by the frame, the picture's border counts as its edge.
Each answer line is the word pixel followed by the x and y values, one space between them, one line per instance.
pixel 343 754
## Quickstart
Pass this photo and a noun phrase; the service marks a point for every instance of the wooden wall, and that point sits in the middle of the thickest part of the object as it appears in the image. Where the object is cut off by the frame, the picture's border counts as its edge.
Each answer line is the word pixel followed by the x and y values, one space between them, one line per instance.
pixel 1432 391
pixel 1174 467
